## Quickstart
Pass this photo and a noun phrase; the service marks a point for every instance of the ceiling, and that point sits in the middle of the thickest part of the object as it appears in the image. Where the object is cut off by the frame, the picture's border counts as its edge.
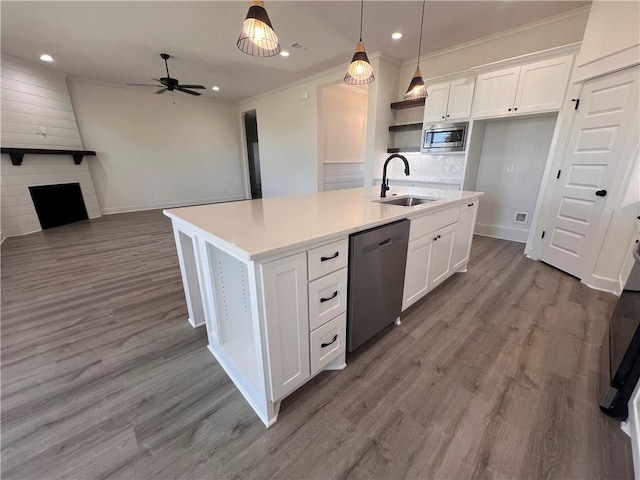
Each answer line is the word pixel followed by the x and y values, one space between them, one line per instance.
pixel 120 42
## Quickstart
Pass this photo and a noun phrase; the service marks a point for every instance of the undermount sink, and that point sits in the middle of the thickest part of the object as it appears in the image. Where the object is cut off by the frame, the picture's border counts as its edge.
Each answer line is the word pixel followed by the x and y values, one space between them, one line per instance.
pixel 408 201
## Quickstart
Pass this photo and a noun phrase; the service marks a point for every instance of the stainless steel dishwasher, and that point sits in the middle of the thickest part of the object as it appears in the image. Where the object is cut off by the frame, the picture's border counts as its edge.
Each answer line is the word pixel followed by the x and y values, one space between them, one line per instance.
pixel 377 261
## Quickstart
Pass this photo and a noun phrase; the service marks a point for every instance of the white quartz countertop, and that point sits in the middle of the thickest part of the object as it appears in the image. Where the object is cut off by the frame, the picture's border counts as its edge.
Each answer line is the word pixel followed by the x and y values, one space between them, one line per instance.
pixel 254 229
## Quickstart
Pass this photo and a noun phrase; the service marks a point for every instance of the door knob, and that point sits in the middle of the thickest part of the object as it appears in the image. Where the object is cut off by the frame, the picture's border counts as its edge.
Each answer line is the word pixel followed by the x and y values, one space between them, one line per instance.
pixel 601 193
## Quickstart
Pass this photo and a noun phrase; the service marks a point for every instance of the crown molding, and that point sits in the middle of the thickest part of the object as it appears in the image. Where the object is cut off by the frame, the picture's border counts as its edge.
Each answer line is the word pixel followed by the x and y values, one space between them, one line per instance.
pixel 578 12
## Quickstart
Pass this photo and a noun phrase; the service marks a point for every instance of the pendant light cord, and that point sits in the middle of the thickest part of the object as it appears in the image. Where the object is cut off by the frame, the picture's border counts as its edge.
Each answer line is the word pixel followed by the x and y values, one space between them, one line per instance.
pixel 361 9
pixel 421 25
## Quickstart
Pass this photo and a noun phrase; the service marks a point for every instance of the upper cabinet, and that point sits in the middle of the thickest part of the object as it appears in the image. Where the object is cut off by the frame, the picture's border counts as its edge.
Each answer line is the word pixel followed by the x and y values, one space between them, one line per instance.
pixel 534 87
pixel 449 101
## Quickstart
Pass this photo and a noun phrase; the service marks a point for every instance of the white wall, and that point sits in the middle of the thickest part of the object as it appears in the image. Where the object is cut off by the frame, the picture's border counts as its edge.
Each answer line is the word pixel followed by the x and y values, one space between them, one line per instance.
pixel 560 30
pixel 154 154
pixel 343 124
pixel 611 38
pixel 524 144
pixel 37 96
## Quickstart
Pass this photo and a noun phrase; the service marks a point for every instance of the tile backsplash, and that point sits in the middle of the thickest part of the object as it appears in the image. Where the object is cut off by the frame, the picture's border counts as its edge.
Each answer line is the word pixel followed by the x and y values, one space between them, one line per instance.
pixel 443 167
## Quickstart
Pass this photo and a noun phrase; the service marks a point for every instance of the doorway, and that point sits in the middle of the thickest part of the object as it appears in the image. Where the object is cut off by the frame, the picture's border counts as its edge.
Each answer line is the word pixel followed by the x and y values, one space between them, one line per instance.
pixel 253 153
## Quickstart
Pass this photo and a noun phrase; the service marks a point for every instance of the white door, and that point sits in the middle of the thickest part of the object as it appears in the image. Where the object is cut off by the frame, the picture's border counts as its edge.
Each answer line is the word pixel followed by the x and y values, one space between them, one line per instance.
pixel 417 271
pixel 435 109
pixel 496 92
pixel 460 97
pixel 542 85
pixel 599 142
pixel 284 293
pixel 440 262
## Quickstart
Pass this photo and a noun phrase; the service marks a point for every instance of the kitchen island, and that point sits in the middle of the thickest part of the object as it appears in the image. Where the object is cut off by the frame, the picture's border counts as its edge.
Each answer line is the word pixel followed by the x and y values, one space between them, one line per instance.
pixel 268 277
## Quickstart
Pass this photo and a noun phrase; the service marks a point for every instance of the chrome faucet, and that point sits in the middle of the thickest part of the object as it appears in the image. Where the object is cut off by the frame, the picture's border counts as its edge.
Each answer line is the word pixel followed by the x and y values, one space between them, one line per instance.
pixel 385 181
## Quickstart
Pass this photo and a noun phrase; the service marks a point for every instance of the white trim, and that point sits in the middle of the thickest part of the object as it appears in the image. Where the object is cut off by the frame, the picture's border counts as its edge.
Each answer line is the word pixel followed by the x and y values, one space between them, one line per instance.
pixel 634 429
pixel 609 285
pixel 578 12
pixel 612 63
pixel 504 233
pixel 158 206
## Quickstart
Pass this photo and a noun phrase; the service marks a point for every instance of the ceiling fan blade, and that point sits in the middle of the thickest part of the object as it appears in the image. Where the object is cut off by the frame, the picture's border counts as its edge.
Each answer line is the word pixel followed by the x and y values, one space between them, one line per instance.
pixel 193 86
pixel 188 91
pixel 162 90
pixel 143 85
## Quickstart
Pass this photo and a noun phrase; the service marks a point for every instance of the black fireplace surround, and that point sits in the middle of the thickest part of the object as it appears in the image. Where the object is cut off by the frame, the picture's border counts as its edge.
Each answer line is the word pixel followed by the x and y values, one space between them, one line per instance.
pixel 58 204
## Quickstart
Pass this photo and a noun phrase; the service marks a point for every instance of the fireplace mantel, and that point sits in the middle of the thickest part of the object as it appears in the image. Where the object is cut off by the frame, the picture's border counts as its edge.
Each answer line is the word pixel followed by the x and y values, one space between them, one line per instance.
pixel 17 154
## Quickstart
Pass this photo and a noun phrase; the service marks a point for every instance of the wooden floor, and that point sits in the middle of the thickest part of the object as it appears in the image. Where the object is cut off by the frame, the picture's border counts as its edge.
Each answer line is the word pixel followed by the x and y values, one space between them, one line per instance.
pixel 496 374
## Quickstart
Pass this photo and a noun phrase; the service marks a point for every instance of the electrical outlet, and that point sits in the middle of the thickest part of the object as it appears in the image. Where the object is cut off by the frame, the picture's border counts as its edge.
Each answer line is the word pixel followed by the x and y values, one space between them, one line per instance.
pixel 43 131
pixel 509 168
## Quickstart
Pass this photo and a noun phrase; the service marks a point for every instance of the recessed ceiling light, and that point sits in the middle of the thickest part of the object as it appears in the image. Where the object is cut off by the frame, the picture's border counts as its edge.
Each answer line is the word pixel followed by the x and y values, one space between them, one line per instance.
pixel 396 35
pixel 46 58
pixel 215 88
pixel 284 53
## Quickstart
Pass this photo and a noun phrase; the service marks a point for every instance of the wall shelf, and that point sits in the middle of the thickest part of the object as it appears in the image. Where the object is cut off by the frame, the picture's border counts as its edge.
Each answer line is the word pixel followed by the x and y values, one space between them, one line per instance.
pixel 17 154
pixel 419 102
pixel 404 150
pixel 407 127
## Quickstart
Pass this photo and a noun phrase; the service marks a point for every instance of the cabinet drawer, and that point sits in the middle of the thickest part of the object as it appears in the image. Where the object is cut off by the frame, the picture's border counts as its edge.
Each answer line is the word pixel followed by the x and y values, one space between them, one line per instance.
pixel 327 298
pixel 328 258
pixel 469 204
pixel 433 221
pixel 328 342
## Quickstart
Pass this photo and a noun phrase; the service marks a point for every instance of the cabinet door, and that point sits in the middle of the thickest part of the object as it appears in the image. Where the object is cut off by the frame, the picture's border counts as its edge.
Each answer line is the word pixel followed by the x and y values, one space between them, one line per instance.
pixel 435 109
pixel 463 235
pixel 416 273
pixel 460 97
pixel 284 293
pixel 440 260
pixel 495 93
pixel 542 85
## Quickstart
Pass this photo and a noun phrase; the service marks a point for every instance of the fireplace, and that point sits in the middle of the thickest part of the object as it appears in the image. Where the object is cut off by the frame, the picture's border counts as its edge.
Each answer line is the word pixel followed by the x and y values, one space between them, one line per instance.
pixel 58 204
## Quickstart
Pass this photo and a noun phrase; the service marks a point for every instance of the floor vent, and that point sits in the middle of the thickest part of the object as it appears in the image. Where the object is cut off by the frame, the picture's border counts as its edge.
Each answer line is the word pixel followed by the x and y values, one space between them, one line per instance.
pixel 521 217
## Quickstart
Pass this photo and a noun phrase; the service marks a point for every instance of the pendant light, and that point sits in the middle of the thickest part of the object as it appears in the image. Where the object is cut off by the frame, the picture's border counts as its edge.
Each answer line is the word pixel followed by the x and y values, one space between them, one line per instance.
pixel 416 87
pixel 257 37
pixel 360 71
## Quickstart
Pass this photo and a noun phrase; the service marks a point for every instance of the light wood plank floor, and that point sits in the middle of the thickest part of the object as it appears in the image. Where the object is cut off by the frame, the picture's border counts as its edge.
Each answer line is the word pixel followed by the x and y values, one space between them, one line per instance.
pixel 497 374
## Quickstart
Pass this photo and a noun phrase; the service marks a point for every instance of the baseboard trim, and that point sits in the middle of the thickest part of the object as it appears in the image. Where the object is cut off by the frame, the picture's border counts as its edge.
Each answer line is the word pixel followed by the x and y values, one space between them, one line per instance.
pixel 158 206
pixel 609 285
pixel 503 233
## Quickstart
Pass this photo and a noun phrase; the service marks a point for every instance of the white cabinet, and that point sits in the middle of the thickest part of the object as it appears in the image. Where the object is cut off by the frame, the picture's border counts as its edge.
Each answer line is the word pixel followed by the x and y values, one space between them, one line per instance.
pixel 417 272
pixel 534 87
pixel 464 235
pixel 449 101
pixel 440 261
pixel 284 286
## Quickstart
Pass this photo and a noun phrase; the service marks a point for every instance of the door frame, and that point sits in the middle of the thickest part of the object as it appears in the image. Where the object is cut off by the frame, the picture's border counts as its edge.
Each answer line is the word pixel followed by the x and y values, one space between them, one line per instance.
pixel 555 161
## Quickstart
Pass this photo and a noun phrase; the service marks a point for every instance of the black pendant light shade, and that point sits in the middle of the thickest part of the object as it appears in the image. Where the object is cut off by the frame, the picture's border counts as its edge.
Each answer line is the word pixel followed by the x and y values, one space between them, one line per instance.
pixel 257 37
pixel 360 71
pixel 417 88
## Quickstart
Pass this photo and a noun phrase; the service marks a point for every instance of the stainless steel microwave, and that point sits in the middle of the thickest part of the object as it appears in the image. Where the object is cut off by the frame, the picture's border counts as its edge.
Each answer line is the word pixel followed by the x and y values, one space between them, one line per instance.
pixel 444 137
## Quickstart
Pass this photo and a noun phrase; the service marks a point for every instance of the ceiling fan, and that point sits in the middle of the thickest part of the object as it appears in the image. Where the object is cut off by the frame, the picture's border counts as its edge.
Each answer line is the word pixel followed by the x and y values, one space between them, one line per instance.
pixel 169 84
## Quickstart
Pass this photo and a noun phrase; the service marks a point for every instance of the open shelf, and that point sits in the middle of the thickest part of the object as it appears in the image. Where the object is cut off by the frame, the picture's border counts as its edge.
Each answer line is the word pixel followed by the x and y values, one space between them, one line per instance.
pixel 419 102
pixel 407 127
pixel 17 154
pixel 404 150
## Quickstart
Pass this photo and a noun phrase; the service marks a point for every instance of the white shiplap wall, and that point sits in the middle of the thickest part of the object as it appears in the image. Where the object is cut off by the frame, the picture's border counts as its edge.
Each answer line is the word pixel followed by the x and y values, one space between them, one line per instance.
pixel 337 176
pixel 36 96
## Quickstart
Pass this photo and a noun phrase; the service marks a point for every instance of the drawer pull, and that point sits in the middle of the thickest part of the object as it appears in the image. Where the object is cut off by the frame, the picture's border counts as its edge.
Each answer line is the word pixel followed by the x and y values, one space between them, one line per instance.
pixel 324 345
pixel 470 205
pixel 324 259
pixel 335 294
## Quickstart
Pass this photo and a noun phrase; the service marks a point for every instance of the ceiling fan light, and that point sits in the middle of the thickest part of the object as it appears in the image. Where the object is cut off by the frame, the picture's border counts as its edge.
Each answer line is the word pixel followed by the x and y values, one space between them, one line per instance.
pixel 416 88
pixel 257 37
pixel 360 71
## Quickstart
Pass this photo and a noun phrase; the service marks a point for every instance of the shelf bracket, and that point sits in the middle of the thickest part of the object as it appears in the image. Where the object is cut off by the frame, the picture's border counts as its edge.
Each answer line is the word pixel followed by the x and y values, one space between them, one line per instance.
pixel 16 158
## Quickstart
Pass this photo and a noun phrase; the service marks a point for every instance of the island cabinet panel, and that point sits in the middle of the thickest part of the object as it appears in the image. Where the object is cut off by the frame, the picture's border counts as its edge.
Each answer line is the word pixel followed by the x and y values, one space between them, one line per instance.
pixel 286 319
pixel 416 277
pixel 440 261
pixel 464 235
